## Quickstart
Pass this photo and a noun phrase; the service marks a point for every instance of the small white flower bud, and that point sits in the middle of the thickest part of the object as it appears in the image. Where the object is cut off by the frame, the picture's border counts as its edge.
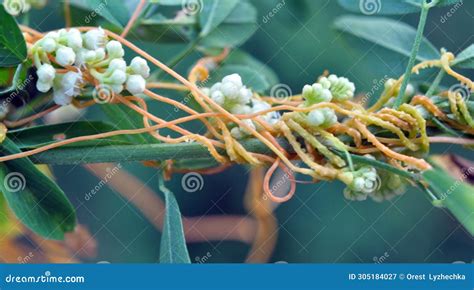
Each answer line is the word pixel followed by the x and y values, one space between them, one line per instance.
pixel 118 77
pixel 74 39
pixel 117 88
pixel 115 49
pixel 94 39
pixel 136 84
pixel 117 64
pixel 99 54
pixel 65 56
pixel 49 44
pixel 140 66
pixel 46 73
pixel 234 79
pixel 70 83
pixel 43 86
pixel 218 97
pixel 230 90
pixel 316 118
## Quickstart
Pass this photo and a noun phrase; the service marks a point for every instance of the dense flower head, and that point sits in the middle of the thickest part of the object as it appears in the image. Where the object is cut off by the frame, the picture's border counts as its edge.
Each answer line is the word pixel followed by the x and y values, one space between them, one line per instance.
pixel 235 97
pixel 365 181
pixel 327 89
pixel 90 53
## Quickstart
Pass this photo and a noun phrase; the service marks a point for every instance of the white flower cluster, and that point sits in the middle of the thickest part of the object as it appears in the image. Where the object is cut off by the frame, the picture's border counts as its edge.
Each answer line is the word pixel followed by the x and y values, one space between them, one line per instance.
pixel 365 182
pixel 391 185
pixel 236 98
pixel 79 53
pixel 325 90
pixel 16 7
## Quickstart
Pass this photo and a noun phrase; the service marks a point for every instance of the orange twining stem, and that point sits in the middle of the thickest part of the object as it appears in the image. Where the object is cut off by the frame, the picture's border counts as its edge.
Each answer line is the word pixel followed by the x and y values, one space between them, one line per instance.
pixel 183 107
pixel 267 179
pixel 195 90
pixel 419 163
pixel 98 136
pixel 134 18
pixel 22 122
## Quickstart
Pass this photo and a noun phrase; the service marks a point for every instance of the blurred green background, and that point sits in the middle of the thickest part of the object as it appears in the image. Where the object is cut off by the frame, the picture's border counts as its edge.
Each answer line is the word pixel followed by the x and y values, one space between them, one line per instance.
pixel 318 224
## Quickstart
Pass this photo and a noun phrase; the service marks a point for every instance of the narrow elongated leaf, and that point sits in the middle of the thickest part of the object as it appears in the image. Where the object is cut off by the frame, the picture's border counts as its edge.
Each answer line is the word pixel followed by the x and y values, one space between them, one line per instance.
pixel 113 11
pixel 12 44
pixel 213 13
pixel 34 198
pixel 125 118
pixel 456 195
pixel 238 26
pixel 371 7
pixel 173 244
pixel 34 137
pixel 390 34
pixel 465 59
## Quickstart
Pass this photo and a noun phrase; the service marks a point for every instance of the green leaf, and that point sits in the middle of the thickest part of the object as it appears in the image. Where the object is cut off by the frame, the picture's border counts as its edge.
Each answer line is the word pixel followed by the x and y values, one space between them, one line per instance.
pixel 390 34
pixel 34 198
pixel 456 195
pixel 167 30
pixel 251 78
pixel 393 7
pixel 213 13
pixel 240 57
pixel 173 244
pixel 465 59
pixel 125 118
pixel 12 44
pixel 34 137
pixel 115 13
pixel 238 26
